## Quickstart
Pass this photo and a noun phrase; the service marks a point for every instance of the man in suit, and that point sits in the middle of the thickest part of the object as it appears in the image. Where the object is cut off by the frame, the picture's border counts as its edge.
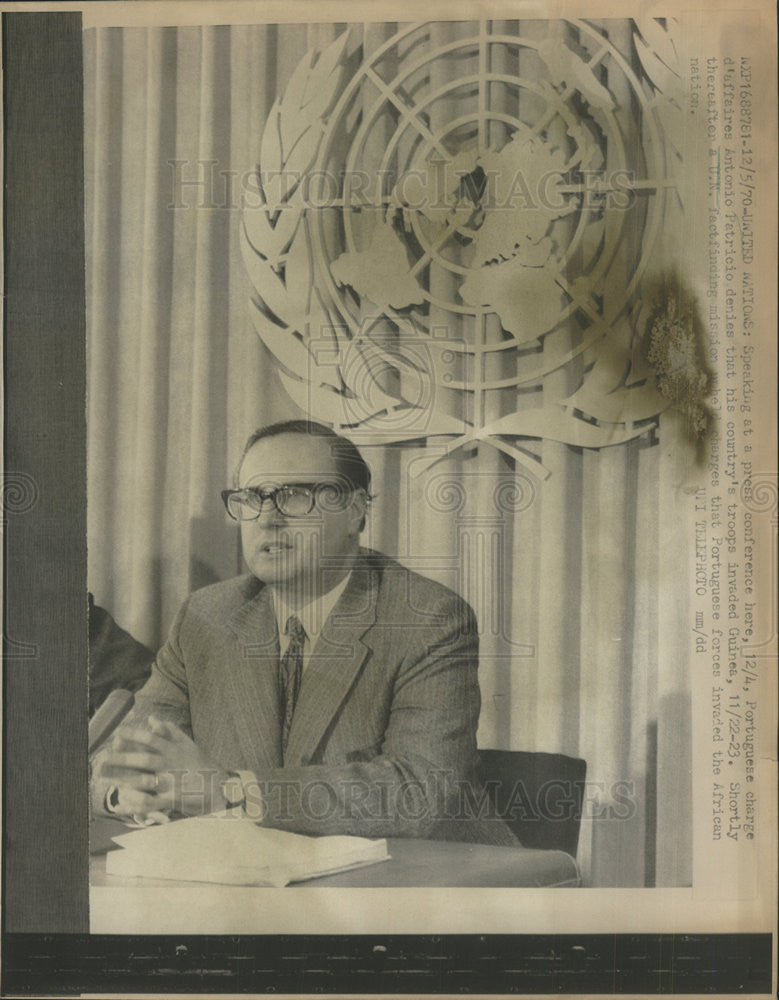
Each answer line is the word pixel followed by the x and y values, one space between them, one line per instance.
pixel 330 690
pixel 116 659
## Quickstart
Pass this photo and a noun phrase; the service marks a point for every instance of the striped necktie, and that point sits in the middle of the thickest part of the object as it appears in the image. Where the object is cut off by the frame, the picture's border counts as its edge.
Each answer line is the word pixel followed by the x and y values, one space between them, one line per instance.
pixel 290 674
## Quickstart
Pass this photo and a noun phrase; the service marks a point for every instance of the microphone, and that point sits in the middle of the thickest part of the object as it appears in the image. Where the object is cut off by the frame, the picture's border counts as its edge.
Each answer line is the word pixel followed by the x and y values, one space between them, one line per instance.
pixel 107 717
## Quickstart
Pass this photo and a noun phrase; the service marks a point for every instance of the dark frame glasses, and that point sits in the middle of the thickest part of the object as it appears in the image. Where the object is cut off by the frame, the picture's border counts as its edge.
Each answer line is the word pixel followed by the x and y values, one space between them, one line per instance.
pixel 289 499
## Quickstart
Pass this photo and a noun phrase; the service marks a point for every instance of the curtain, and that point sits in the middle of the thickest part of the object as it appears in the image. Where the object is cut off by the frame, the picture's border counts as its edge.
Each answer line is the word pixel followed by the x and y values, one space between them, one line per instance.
pixel 571 576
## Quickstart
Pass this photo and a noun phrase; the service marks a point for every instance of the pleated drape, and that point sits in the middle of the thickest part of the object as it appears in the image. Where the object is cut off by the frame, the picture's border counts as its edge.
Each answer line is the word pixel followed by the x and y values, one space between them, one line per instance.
pixel 569 575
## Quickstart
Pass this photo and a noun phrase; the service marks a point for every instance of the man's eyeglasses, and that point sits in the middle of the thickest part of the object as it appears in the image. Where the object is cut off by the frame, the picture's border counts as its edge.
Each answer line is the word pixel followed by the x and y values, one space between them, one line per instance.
pixel 293 500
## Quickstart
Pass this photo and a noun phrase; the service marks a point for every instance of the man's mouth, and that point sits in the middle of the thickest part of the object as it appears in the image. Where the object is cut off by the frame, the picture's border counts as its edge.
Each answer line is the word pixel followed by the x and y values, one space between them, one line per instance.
pixel 271 548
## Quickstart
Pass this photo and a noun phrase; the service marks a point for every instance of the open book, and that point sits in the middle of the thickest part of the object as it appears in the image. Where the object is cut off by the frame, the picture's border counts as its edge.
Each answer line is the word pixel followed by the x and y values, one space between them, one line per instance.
pixel 228 847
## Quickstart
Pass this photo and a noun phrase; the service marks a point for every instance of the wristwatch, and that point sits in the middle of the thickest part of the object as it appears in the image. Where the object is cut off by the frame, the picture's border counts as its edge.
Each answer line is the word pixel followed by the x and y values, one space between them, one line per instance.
pixel 232 791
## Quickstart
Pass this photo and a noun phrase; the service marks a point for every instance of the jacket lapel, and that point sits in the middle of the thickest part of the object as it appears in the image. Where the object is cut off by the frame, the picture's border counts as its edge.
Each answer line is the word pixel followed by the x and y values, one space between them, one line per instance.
pixel 255 681
pixel 335 661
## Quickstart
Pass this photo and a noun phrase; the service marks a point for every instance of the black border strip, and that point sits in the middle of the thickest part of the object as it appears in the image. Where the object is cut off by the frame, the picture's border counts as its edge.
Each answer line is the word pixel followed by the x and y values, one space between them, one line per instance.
pixel 45 861
pixel 334 964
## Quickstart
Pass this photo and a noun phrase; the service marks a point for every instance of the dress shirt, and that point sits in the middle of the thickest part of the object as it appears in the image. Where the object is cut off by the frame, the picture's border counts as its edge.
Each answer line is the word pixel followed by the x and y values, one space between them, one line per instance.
pixel 312 617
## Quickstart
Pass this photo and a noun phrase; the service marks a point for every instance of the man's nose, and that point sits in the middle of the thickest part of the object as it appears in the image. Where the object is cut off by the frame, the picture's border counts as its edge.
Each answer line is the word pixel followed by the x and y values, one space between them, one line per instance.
pixel 269 513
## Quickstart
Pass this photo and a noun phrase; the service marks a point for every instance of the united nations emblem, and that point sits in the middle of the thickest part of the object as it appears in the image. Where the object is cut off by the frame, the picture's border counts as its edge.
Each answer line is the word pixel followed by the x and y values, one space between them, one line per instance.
pixel 455 232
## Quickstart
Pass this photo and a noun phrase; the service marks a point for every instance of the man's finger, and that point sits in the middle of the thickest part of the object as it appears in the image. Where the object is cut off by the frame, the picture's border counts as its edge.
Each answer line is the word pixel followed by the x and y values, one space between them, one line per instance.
pixel 138 739
pixel 130 801
pixel 148 762
pixel 158 817
pixel 168 730
pixel 143 781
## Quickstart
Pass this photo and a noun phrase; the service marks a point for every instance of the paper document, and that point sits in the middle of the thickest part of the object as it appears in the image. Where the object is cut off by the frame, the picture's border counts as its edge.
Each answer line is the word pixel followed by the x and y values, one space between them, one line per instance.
pixel 227 847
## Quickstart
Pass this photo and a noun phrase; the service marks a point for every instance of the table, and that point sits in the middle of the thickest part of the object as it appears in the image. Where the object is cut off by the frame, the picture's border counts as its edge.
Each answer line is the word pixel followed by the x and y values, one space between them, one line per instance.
pixel 420 863
pixel 413 863
pixel 426 887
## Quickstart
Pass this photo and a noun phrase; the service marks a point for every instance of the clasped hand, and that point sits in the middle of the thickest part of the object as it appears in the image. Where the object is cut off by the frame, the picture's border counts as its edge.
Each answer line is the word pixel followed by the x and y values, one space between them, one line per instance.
pixel 159 770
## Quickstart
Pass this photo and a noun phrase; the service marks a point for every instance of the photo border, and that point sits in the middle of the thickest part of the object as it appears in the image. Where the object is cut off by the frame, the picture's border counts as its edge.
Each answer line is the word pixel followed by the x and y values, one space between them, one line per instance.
pixel 45 810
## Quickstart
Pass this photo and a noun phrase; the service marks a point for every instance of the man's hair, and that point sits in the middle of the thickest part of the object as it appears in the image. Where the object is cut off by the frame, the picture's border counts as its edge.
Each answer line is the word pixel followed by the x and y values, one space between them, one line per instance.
pixel 349 462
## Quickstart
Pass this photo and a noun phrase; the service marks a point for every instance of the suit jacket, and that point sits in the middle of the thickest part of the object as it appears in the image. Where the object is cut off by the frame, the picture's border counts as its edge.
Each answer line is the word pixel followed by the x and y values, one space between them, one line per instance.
pixel 383 739
pixel 116 659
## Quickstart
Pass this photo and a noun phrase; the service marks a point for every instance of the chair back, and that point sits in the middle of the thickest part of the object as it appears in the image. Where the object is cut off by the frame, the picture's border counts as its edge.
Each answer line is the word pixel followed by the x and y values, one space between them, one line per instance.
pixel 539 795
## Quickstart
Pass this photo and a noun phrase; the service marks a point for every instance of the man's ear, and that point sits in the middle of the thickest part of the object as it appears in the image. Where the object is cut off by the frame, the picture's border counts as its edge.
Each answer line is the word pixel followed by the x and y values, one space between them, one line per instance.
pixel 358 511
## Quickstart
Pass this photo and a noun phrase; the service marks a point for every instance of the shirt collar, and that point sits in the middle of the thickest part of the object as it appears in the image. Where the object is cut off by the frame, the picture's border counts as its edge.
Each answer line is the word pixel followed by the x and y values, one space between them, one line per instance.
pixel 313 615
